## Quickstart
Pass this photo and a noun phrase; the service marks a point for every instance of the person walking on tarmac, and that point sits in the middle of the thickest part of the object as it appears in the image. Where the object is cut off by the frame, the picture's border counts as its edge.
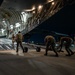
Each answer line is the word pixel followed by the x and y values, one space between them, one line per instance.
pixel 19 38
pixel 50 42
pixel 66 41
pixel 13 40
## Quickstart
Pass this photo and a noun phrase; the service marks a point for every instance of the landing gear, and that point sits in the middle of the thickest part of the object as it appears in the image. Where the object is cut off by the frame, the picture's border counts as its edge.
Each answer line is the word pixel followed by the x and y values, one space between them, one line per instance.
pixel 38 49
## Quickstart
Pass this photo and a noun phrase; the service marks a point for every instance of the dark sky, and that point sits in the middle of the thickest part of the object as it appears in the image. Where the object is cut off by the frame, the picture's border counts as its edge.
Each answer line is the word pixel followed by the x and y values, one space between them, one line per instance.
pixel 64 20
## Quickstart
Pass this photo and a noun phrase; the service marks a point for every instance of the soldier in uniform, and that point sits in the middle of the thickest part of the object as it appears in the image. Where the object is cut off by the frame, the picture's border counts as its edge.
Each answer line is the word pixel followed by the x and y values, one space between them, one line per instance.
pixel 19 38
pixel 50 41
pixel 66 41
pixel 13 40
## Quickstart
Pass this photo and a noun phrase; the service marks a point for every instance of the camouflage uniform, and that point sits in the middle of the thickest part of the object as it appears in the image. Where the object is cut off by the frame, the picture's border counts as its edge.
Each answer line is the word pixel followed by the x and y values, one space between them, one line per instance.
pixel 50 41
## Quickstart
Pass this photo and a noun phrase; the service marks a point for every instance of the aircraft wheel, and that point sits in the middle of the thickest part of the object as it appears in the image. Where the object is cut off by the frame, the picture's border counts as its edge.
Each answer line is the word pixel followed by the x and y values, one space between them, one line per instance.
pixel 38 49
pixel 25 49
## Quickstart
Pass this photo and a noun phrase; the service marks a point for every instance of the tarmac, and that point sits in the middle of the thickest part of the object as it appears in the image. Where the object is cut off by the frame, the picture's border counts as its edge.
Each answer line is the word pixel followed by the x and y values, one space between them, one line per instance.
pixel 35 63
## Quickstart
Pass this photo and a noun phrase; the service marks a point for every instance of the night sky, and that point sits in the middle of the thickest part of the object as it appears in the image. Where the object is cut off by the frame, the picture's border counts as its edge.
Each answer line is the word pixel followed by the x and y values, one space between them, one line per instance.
pixel 63 21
